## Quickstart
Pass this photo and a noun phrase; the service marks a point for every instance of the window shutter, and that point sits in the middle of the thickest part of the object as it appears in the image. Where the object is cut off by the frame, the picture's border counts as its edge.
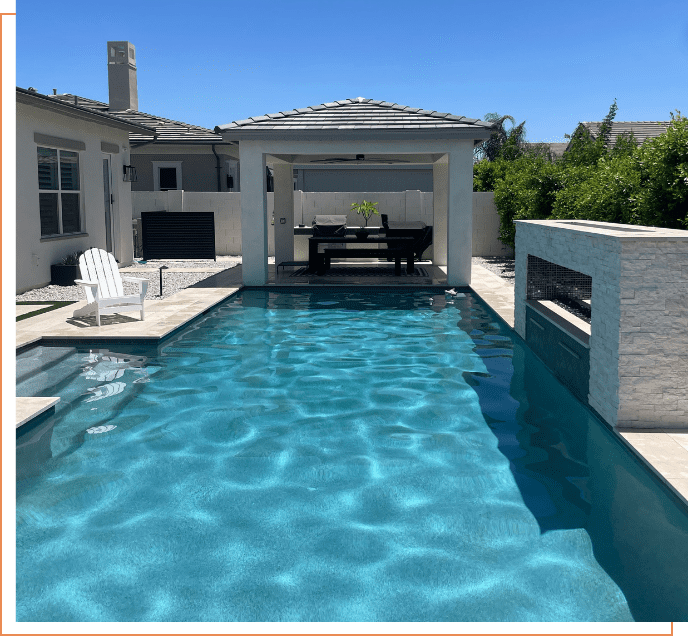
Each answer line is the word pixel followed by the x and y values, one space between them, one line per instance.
pixel 47 203
pixel 47 169
pixel 69 170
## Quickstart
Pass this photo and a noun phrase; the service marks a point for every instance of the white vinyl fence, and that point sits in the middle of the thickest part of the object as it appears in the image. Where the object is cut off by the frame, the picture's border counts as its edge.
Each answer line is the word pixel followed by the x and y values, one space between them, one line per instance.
pixel 411 205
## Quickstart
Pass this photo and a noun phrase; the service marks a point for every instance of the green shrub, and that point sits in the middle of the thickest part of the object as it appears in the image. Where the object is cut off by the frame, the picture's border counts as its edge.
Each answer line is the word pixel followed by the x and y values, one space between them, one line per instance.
pixel 527 191
pixel 663 165
pixel 605 192
pixel 623 183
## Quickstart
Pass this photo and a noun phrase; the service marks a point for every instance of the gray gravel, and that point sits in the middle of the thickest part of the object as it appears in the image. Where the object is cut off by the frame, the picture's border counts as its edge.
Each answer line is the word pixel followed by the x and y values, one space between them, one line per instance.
pixel 172 281
pixel 176 281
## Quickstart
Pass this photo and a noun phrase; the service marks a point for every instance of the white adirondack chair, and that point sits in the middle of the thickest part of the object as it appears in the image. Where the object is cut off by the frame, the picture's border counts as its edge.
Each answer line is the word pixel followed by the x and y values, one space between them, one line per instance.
pixel 102 283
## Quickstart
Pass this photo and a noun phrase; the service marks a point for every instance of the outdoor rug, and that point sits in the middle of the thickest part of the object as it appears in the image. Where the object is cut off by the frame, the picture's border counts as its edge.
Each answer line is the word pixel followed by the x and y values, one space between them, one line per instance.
pixel 420 272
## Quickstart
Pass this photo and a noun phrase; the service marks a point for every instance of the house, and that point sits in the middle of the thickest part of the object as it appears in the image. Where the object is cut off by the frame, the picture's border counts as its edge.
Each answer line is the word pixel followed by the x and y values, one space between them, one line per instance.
pixel 73 166
pixel 340 175
pixel 172 155
pixel 187 157
pixel 555 150
pixel 641 130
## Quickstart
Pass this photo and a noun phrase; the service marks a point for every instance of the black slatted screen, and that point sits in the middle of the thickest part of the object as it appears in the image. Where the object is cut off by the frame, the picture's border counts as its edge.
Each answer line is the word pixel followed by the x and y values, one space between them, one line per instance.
pixel 178 235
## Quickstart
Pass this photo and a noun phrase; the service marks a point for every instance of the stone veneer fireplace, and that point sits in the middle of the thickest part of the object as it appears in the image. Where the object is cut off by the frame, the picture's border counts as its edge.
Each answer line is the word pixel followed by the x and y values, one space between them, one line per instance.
pixel 630 363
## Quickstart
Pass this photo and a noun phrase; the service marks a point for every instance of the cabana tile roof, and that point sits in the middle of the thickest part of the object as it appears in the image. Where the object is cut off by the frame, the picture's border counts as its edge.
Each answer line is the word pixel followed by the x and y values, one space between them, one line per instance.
pixel 356 114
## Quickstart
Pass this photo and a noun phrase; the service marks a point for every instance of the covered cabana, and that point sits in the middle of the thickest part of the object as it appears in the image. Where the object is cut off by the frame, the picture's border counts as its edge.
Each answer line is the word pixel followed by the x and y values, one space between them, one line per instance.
pixel 358 129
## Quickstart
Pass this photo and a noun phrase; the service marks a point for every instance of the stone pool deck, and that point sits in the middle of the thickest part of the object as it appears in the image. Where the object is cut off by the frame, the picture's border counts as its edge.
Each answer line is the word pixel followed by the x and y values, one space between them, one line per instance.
pixel 665 451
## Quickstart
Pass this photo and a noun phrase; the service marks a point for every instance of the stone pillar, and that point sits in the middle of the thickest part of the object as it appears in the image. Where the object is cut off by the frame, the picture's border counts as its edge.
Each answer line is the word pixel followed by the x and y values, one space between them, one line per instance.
pixel 284 212
pixel 440 197
pixel 460 214
pixel 254 229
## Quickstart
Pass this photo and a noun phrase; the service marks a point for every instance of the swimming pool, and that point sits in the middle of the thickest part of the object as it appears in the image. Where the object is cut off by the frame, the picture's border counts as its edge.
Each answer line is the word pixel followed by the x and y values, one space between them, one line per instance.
pixel 343 456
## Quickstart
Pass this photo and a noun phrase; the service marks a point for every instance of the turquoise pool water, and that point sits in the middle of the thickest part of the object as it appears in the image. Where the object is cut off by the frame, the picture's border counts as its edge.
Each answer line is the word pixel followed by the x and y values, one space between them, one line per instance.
pixel 333 457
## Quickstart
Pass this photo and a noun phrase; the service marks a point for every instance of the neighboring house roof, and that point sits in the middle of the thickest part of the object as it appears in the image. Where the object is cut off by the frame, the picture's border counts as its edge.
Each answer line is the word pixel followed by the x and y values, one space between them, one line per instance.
pixel 167 131
pixel 113 120
pixel 556 149
pixel 641 130
pixel 360 114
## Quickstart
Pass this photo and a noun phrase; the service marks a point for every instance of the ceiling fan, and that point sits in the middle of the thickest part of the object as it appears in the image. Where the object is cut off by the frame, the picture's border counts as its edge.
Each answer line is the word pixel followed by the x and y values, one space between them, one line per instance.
pixel 358 159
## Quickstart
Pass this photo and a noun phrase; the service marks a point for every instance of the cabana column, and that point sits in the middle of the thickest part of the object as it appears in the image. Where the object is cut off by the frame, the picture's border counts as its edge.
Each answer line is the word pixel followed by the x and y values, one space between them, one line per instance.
pixel 254 228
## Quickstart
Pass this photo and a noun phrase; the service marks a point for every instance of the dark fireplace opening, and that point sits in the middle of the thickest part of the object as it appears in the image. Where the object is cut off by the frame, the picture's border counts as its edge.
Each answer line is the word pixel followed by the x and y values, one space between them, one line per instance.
pixel 565 287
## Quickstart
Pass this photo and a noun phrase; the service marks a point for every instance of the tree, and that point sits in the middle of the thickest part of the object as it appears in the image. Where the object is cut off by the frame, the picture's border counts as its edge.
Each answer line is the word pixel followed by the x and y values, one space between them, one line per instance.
pixel 663 164
pixel 491 148
pixel 586 150
pixel 595 180
pixel 526 191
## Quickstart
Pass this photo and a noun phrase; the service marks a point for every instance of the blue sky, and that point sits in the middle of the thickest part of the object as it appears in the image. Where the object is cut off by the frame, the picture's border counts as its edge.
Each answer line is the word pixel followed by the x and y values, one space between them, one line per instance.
pixel 550 63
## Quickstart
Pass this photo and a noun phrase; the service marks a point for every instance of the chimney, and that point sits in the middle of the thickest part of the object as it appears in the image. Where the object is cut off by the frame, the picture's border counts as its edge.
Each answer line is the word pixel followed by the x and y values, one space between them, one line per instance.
pixel 124 93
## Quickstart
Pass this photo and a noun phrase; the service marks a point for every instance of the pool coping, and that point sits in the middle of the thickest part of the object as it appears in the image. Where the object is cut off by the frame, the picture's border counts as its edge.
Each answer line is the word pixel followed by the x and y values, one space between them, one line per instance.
pixel 661 450
pixel 29 408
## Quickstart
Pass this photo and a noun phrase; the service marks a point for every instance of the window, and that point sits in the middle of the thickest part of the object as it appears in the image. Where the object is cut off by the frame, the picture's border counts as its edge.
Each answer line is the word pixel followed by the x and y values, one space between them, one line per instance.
pixel 168 178
pixel 59 195
pixel 167 175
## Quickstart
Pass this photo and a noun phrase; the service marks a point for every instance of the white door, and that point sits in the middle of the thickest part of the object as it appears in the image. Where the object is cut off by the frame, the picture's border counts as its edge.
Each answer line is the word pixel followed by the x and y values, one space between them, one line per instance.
pixel 108 200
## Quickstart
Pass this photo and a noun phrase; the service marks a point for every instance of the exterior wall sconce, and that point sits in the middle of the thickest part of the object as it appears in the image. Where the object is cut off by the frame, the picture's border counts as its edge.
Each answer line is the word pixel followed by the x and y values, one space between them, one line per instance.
pixel 129 173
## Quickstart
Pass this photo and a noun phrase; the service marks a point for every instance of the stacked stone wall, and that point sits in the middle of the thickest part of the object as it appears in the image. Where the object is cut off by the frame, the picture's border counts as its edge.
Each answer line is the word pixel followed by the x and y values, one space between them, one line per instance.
pixel 653 345
pixel 639 322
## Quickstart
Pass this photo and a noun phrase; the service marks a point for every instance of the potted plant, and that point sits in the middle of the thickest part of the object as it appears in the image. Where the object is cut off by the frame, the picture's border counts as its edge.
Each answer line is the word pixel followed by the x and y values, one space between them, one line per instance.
pixel 66 271
pixel 367 209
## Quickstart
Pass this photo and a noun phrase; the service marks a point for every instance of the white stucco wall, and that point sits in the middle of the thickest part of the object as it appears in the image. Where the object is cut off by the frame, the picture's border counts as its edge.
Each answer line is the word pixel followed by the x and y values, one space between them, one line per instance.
pixel 486 227
pixel 639 324
pixel 411 205
pixel 34 254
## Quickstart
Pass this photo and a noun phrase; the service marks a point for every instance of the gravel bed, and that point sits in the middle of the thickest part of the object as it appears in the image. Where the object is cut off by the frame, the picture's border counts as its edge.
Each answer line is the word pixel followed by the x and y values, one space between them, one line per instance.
pixel 222 262
pixel 176 281
pixel 503 267
pixel 573 307
pixel 172 281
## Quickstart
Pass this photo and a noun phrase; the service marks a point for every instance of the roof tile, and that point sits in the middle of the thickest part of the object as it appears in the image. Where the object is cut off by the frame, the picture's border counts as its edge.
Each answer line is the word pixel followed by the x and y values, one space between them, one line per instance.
pixel 641 130
pixel 358 113
pixel 165 129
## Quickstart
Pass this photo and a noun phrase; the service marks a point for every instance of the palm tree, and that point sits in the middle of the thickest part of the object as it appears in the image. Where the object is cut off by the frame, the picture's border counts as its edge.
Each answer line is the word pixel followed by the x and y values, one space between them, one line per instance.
pixel 492 147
